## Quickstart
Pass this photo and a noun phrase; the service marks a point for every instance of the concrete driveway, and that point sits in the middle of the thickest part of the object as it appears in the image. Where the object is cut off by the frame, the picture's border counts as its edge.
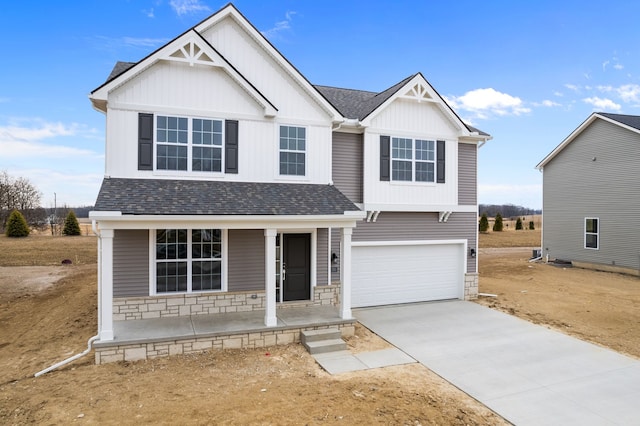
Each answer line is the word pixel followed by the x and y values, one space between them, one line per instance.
pixel 527 373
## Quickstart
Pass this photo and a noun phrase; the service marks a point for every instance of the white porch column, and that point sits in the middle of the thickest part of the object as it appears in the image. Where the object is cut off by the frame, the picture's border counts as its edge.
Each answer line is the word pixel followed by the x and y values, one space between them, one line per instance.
pixel 345 273
pixel 106 285
pixel 270 319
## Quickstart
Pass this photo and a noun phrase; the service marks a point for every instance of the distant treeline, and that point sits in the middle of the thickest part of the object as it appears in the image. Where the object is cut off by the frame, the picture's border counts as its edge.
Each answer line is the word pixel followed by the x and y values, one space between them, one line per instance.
pixel 506 210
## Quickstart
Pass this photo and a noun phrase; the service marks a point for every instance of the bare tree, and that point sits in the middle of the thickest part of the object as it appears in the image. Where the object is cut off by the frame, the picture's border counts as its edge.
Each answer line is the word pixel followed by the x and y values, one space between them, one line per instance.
pixel 16 193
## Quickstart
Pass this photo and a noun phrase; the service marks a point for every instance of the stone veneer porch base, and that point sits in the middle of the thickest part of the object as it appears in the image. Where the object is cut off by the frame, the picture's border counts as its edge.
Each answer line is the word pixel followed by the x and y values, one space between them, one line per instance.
pixel 105 353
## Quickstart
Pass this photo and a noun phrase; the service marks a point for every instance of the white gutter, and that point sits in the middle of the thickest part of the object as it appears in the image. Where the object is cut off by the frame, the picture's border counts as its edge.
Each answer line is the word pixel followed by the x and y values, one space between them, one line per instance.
pixel 91 339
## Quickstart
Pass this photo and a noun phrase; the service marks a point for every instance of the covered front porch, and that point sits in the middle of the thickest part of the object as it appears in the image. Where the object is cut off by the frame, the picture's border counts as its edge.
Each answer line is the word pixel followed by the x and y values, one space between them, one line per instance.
pixel 151 338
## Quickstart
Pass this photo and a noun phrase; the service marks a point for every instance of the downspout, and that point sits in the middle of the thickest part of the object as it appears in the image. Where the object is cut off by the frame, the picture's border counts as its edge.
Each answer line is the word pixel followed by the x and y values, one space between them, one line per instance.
pixel 97 336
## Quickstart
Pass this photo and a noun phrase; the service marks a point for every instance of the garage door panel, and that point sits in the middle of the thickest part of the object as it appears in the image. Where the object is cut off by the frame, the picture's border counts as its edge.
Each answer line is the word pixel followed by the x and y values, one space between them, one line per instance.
pixel 391 274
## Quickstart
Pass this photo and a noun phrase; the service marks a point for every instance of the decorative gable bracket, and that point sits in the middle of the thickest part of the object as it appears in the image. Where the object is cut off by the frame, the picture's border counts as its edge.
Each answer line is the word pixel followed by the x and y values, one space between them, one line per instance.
pixel 191 53
pixel 419 92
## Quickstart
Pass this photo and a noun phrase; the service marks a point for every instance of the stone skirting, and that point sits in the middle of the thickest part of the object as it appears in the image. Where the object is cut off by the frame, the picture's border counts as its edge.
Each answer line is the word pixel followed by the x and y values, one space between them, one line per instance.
pixel 137 308
pixel 470 286
pixel 259 339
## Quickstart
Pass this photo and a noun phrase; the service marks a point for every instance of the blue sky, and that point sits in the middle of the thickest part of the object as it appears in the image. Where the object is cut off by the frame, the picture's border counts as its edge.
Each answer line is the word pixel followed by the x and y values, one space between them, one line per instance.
pixel 528 73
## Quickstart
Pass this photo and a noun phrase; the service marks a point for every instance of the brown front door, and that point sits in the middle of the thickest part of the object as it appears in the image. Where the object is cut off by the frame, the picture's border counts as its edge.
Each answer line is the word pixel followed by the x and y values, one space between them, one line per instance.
pixel 296 267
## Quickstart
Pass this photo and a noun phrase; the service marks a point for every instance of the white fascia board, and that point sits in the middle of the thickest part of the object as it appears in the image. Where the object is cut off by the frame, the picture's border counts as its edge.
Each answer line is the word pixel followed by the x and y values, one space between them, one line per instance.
pixel 100 96
pixel 252 31
pixel 104 214
pixel 567 140
pixel 577 132
pixel 419 207
pixel 228 222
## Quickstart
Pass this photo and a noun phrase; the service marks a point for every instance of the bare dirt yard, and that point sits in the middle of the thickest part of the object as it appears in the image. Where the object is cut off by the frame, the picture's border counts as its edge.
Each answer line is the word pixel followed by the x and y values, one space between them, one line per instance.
pixel 48 311
pixel 600 307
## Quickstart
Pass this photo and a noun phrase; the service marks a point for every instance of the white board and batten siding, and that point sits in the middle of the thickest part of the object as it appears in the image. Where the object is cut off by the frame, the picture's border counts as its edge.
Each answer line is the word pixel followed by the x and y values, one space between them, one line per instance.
pixel 424 120
pixel 258 136
pixel 264 72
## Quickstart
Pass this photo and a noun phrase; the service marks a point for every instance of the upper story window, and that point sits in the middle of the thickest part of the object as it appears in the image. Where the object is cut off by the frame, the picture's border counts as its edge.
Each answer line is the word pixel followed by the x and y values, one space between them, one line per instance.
pixel 413 160
pixel 189 144
pixel 293 145
pixel 592 233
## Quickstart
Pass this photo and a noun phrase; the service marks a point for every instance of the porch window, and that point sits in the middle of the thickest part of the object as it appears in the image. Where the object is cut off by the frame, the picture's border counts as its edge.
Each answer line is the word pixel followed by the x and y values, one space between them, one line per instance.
pixel 188 260
pixel 592 233
pixel 293 141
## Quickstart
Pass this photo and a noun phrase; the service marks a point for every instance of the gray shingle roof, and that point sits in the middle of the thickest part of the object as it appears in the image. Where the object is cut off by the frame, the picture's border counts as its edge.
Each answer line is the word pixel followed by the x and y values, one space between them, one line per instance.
pixel 119 68
pixel 358 103
pixel 194 197
pixel 629 120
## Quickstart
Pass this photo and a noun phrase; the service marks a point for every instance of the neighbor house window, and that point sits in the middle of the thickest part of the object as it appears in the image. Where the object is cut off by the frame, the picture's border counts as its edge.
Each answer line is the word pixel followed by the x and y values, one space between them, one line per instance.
pixel 412 160
pixel 592 233
pixel 189 144
pixel 293 145
pixel 188 260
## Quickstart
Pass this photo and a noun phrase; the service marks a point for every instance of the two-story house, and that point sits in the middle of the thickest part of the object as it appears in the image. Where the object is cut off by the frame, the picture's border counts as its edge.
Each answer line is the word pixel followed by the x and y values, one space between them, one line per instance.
pixel 242 204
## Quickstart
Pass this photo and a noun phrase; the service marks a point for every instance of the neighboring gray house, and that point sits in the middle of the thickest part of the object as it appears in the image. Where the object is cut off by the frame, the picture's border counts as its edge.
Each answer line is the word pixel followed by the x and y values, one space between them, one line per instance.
pixel 235 192
pixel 591 195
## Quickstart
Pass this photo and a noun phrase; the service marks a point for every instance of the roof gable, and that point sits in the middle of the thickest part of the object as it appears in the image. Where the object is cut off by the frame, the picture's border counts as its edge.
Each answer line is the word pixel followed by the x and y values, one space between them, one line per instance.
pixel 230 11
pixel 628 122
pixel 188 48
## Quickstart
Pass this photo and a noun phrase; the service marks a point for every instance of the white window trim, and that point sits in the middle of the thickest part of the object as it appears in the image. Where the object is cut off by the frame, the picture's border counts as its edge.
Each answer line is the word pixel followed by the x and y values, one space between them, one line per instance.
pixel 597 234
pixel 413 161
pixel 152 264
pixel 280 176
pixel 189 145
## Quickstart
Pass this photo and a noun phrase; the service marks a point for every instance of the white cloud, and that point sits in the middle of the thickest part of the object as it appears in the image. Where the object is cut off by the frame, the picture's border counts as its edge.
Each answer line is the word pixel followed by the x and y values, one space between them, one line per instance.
pixel 27 141
pixel 629 92
pixel 572 87
pixel 602 103
pixel 280 25
pixel 72 189
pixel 126 42
pixel 604 65
pixel 149 13
pixel 618 66
pixel 484 103
pixel 558 94
pixel 184 7
pixel 546 103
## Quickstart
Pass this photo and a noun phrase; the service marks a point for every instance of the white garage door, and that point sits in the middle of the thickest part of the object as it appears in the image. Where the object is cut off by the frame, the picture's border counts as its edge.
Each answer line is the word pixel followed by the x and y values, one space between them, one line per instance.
pixel 390 273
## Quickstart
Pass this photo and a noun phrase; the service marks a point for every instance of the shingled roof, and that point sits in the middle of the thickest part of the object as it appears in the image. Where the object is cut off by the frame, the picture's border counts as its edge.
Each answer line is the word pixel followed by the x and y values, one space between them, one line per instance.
pixel 358 103
pixel 194 197
pixel 628 120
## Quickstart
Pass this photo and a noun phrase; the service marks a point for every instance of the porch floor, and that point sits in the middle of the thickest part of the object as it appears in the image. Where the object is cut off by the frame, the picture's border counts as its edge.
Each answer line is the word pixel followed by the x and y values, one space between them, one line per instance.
pixel 197 326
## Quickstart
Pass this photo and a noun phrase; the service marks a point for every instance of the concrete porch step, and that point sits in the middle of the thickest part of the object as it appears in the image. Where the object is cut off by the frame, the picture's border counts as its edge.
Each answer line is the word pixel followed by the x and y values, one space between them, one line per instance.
pixel 325 346
pixel 317 335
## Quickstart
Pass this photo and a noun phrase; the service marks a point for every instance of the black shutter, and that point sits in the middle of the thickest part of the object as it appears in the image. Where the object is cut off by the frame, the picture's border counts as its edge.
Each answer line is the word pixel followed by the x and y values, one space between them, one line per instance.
pixel 385 158
pixel 440 161
pixel 231 146
pixel 145 141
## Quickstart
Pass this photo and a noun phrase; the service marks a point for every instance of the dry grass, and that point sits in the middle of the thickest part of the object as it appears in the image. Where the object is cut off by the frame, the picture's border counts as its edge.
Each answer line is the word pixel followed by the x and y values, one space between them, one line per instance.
pixel 44 250
pixel 510 238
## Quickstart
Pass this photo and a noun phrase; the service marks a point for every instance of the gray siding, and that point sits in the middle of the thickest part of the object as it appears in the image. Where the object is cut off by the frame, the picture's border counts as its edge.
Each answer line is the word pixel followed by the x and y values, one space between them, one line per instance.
pixel 347 158
pixel 322 263
pixel 397 226
pixel 575 187
pixel 467 174
pixel 246 260
pixel 131 263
